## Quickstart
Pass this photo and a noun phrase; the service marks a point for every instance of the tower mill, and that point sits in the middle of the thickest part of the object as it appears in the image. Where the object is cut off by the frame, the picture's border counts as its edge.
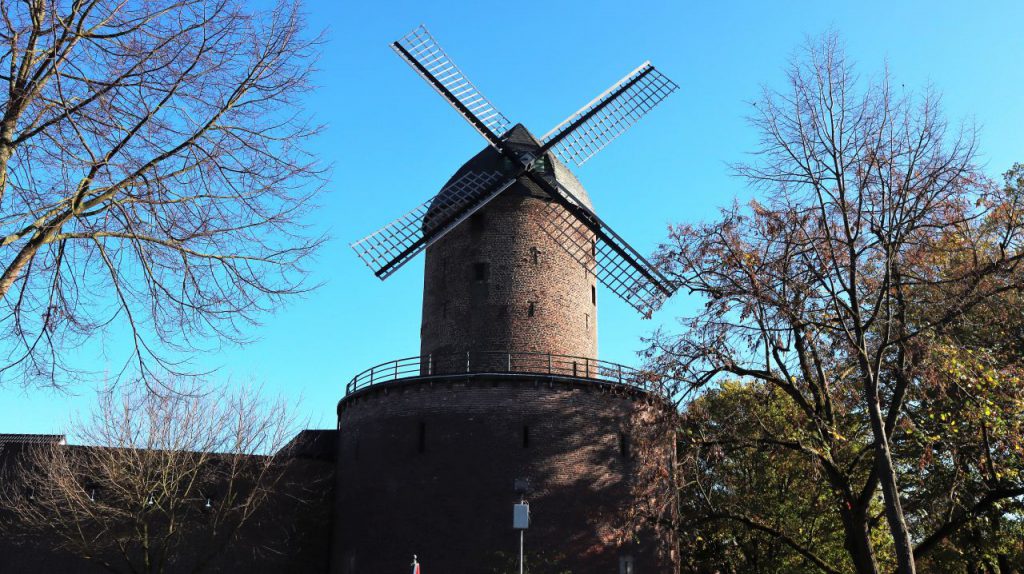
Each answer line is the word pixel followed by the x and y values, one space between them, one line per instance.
pixel 507 399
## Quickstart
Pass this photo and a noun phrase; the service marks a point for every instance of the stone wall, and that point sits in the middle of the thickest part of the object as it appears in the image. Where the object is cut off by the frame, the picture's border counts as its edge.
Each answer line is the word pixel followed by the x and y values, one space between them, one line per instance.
pixel 289 532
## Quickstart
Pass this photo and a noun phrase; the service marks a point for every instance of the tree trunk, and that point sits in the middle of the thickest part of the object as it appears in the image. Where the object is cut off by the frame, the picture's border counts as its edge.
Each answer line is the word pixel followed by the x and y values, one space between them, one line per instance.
pixel 24 256
pixel 902 545
pixel 858 542
pixel 1004 564
pixel 5 157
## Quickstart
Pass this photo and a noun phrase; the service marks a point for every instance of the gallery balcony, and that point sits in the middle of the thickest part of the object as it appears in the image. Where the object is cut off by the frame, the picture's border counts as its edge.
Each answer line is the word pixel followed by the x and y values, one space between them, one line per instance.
pixel 508 364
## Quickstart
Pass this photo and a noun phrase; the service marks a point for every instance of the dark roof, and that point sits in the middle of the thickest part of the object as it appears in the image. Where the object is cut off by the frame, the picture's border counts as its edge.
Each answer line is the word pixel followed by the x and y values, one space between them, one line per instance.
pixel 518 139
pixel 313 443
pixel 23 439
pixel 13 444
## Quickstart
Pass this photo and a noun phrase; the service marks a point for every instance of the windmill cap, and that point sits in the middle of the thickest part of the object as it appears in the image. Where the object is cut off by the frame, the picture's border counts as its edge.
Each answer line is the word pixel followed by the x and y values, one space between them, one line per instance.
pixel 518 140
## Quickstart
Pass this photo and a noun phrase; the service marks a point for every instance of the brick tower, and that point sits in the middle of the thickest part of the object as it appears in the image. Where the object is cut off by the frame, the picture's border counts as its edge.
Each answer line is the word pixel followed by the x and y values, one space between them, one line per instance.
pixel 499 283
pixel 507 399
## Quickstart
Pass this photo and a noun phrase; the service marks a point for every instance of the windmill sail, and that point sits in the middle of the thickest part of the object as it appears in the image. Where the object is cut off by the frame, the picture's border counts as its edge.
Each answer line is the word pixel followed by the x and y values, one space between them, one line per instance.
pixel 567 220
pixel 392 246
pixel 619 267
pixel 419 49
pixel 609 115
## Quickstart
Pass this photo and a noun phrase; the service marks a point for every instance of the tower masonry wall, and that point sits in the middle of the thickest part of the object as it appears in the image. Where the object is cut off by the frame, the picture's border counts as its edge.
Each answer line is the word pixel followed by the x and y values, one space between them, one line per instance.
pixel 432 466
pixel 498 282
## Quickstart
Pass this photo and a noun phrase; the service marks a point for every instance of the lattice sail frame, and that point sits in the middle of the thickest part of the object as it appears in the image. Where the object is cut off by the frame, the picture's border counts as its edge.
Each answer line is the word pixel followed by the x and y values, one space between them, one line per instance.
pixel 392 246
pixel 422 52
pixel 578 138
pixel 591 128
pixel 633 279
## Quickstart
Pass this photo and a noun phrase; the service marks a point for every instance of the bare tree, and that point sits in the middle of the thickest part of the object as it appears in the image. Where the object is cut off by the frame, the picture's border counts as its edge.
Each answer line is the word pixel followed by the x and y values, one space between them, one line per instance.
pixel 877 233
pixel 171 481
pixel 152 176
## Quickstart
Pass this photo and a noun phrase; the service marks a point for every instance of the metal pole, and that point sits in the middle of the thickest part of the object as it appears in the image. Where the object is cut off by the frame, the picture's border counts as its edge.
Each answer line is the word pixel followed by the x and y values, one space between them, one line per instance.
pixel 521 551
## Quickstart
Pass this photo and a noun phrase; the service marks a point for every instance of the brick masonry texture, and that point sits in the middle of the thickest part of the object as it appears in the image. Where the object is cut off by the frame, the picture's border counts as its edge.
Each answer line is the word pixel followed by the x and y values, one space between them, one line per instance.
pixel 290 532
pixel 427 467
pixel 482 279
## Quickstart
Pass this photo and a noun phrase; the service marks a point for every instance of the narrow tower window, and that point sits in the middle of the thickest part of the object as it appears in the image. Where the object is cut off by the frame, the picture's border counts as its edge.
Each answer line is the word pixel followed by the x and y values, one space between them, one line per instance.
pixel 530 310
pixel 535 255
pixel 593 294
pixel 421 443
pixel 586 319
pixel 477 223
pixel 480 271
pixel 593 247
pixel 526 436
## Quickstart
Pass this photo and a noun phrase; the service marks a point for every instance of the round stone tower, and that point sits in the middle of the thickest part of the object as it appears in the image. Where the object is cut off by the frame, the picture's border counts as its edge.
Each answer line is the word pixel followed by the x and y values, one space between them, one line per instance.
pixel 508 401
pixel 498 282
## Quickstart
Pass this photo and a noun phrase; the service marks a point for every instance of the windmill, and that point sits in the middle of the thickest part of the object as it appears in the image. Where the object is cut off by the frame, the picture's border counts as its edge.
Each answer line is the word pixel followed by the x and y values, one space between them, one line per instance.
pixel 513 252
pixel 568 220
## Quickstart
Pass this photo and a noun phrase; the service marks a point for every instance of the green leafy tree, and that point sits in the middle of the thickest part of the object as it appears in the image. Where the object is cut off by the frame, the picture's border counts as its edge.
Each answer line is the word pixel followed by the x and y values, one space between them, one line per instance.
pixel 750 500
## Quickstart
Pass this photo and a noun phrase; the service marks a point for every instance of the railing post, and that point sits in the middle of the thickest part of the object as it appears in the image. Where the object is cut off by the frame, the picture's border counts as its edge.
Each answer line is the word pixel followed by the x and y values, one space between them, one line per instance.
pixel 467 361
pixel 574 367
pixel 371 373
pixel 510 361
pixel 396 370
pixel 430 364
pixel 549 363
pixel 586 365
pixel 620 374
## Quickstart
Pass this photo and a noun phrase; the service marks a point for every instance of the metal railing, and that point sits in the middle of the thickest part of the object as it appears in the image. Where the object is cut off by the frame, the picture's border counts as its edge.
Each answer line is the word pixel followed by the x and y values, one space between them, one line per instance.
pixel 506 362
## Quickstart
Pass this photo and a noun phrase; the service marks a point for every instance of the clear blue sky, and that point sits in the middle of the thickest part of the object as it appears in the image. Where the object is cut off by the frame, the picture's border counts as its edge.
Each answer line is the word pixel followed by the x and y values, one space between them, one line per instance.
pixel 393 142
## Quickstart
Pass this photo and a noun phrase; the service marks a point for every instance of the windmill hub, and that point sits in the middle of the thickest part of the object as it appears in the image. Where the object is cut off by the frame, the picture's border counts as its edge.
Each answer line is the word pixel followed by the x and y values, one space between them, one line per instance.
pixel 523 145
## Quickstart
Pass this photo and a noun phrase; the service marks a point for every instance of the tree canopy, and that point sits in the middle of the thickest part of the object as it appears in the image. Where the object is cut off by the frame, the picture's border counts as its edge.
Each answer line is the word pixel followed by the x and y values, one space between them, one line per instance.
pixel 153 178
pixel 847 296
